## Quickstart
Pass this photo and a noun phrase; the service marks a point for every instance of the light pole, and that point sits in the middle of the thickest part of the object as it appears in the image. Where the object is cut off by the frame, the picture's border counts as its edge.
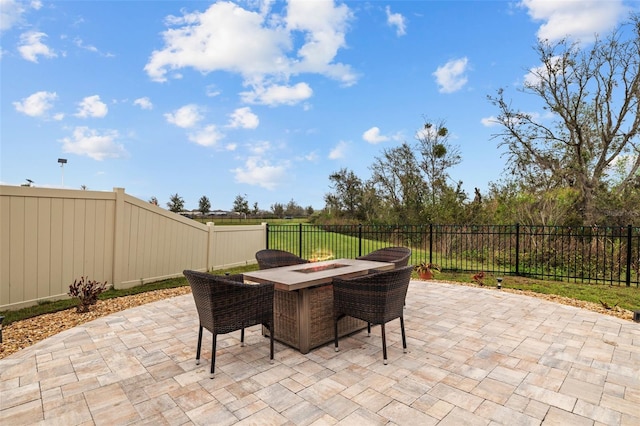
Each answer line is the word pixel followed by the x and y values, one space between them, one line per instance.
pixel 62 162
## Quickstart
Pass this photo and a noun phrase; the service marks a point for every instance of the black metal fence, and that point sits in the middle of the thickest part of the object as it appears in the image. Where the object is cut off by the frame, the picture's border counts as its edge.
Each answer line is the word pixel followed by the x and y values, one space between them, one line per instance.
pixel 600 255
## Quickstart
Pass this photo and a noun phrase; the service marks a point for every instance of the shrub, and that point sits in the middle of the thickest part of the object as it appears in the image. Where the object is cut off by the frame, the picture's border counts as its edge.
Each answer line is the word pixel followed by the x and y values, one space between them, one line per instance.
pixel 87 292
pixel 479 278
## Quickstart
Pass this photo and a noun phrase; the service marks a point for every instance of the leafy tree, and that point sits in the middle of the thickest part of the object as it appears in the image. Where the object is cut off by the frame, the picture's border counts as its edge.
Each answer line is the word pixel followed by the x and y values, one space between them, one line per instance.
pixel 278 209
pixel 176 203
pixel 154 201
pixel 204 205
pixel 372 206
pixel 255 209
pixel 293 209
pixel 240 204
pixel 346 200
pixel 398 182
pixel 309 210
pixel 592 95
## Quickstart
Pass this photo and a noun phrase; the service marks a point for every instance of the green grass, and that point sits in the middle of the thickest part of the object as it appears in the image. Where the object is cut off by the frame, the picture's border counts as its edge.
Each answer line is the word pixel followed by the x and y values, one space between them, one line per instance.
pixel 61 305
pixel 623 297
pixel 223 221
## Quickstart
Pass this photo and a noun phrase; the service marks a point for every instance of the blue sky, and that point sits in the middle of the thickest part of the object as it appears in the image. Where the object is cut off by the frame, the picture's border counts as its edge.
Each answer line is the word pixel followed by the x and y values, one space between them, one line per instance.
pixel 263 99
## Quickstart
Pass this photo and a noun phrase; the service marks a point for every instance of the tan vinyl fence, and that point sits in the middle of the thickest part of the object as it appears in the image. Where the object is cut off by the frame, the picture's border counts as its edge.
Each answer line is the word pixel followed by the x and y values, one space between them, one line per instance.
pixel 49 237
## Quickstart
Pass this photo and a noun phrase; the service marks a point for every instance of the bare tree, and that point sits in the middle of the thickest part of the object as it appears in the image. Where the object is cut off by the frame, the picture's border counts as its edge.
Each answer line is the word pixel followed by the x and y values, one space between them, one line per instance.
pixel 592 96
pixel 438 156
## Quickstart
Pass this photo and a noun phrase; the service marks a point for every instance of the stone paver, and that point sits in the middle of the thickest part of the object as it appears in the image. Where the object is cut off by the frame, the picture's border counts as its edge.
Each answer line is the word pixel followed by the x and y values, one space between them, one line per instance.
pixel 475 356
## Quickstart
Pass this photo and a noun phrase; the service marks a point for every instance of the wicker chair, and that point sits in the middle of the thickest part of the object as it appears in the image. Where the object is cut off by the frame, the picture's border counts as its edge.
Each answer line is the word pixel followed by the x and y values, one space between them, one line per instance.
pixel 398 255
pixel 271 258
pixel 226 304
pixel 375 298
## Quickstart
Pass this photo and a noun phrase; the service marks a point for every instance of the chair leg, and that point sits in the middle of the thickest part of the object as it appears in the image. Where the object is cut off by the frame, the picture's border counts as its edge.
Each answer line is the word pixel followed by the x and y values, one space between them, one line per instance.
pixel 384 345
pixel 213 354
pixel 404 337
pixel 242 338
pixel 199 346
pixel 368 329
pixel 335 333
pixel 271 340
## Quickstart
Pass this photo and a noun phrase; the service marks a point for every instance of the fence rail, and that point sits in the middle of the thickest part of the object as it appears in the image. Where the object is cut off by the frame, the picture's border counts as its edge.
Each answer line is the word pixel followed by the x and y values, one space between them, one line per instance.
pixel 599 255
pixel 50 237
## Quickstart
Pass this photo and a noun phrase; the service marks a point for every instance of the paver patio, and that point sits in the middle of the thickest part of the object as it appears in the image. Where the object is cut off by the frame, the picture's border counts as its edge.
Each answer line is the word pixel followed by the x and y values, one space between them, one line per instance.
pixel 475 356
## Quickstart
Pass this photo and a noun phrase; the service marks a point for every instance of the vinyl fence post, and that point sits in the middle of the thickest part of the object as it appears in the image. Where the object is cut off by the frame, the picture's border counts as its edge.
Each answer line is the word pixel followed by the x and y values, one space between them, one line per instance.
pixel 517 249
pixel 629 239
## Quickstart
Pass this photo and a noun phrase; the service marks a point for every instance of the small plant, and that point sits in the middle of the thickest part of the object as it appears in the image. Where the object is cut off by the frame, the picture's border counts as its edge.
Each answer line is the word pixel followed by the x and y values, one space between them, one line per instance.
pixel 607 306
pixel 479 278
pixel 87 292
pixel 426 270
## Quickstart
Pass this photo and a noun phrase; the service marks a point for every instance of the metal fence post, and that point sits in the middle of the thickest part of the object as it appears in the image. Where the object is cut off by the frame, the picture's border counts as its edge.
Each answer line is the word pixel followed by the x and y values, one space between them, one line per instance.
pixel 517 249
pixel 359 239
pixel 267 234
pixel 300 239
pixel 629 239
pixel 431 243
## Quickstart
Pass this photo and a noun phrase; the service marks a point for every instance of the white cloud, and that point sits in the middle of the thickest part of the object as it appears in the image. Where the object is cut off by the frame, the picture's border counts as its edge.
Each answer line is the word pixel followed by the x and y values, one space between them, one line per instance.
pixel 144 103
pixel 578 19
pixel 489 121
pixel 278 95
pixel 312 157
pixel 451 76
pixel 259 45
pixel 373 136
pixel 92 106
pixel 91 48
pixel 339 151
pixel 231 146
pixel 185 117
pixel 37 104
pixel 396 20
pixel 535 75
pixel 212 91
pixel 31 46
pixel 244 118
pixel 257 171
pixel 89 142
pixel 209 136
pixel 260 148
pixel 78 42
pixel 324 26
pixel 11 12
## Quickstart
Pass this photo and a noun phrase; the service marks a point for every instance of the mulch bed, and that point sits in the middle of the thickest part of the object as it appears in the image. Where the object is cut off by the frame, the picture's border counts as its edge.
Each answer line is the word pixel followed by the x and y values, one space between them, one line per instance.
pixel 21 334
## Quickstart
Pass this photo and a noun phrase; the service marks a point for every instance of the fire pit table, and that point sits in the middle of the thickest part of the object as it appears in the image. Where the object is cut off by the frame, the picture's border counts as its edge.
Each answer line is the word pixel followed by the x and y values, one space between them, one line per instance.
pixel 303 305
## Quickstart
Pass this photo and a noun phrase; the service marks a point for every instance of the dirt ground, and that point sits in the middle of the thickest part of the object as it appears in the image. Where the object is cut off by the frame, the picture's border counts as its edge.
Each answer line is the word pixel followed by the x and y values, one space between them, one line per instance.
pixel 22 334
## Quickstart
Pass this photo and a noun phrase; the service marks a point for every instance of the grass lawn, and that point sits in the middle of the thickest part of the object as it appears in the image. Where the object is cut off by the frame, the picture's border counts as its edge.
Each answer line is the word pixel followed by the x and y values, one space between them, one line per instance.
pixel 611 296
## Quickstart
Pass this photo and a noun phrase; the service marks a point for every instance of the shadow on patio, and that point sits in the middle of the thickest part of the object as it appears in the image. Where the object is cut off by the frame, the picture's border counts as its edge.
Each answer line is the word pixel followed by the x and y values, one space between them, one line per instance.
pixel 475 356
